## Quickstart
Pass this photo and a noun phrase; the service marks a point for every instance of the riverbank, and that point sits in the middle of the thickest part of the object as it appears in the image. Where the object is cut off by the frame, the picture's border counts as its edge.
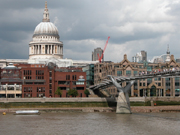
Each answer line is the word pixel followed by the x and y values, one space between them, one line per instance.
pixel 148 109
pixel 134 109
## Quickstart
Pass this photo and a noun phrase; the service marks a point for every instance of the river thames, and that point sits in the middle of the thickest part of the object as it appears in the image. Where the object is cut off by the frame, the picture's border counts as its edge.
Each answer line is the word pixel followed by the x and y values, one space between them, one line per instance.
pixel 79 123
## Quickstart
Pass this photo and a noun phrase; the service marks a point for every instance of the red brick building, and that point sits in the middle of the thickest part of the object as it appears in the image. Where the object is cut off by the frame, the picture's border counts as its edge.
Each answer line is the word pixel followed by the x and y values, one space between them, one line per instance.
pixel 39 80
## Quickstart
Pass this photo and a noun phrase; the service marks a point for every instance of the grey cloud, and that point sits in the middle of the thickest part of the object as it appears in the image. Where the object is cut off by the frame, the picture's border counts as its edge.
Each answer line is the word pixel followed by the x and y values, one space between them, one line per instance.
pixel 80 20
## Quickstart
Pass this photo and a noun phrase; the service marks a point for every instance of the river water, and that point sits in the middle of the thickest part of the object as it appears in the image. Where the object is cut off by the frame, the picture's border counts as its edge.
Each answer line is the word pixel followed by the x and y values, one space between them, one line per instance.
pixel 79 123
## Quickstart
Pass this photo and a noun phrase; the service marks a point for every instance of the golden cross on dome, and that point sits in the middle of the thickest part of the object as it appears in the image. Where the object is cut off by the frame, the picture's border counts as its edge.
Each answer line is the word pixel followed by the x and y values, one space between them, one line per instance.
pixel 46 4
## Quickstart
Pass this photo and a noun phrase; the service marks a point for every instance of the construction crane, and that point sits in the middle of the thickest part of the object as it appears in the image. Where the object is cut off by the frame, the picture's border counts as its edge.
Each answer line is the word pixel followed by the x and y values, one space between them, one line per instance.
pixel 100 57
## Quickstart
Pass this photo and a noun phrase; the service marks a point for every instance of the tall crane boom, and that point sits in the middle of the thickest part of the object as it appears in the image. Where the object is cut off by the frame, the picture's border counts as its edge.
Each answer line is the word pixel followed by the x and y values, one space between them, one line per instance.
pixel 100 57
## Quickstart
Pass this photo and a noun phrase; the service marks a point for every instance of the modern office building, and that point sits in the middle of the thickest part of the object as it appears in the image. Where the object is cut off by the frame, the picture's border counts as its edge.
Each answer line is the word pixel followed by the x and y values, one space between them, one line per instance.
pixel 89 69
pixel 98 52
pixel 144 55
pixel 143 87
pixel 140 57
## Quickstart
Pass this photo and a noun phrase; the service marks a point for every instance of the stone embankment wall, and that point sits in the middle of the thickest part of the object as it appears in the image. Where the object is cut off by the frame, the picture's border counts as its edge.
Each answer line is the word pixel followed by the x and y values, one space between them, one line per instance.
pixel 84 102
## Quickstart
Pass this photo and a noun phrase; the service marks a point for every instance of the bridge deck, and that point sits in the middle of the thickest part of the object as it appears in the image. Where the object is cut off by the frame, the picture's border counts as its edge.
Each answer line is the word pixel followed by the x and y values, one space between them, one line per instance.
pixel 106 83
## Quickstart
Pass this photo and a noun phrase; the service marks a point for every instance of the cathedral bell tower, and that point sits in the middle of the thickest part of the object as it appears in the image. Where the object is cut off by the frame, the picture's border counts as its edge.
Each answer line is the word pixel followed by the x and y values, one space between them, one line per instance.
pixel 168 55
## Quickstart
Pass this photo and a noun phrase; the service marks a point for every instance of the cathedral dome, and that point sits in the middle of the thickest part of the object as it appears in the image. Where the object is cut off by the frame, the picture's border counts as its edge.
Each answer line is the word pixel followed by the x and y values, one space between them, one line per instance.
pixel 46 29
pixel 46 42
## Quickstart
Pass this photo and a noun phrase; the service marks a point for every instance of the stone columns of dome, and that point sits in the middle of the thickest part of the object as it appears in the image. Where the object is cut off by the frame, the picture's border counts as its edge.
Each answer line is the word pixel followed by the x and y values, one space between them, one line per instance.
pixel 38 49
pixel 34 49
pixel 48 49
pixel 60 49
pixel 51 49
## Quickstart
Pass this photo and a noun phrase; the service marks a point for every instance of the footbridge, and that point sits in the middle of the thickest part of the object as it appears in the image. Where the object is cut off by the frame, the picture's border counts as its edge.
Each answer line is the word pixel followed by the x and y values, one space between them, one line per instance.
pixel 123 104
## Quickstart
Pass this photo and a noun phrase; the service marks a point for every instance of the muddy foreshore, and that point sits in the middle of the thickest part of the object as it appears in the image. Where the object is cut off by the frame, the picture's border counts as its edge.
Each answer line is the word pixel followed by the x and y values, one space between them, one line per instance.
pixel 134 109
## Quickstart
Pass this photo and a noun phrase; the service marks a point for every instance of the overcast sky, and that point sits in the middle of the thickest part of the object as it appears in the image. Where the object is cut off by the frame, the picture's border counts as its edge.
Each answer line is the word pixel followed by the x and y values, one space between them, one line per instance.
pixel 133 25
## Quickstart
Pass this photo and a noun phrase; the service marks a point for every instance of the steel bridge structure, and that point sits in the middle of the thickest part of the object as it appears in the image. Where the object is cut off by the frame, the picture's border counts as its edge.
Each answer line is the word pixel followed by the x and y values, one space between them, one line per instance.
pixel 123 104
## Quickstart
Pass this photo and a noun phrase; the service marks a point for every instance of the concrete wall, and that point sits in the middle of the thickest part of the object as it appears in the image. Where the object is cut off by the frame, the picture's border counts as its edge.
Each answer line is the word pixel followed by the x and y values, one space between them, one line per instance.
pixel 94 99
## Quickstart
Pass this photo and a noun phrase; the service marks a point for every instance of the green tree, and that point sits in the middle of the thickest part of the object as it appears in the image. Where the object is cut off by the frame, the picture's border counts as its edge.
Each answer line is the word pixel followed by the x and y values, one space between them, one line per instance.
pixel 72 92
pixel 58 92
pixel 86 92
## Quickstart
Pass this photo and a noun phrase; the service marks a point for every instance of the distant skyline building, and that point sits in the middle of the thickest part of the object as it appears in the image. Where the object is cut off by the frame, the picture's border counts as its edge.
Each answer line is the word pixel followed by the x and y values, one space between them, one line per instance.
pixel 140 56
pixel 144 55
pixel 168 55
pixel 95 54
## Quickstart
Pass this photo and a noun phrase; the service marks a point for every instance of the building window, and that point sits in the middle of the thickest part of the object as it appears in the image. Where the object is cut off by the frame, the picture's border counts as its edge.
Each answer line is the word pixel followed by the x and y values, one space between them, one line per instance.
pixel 50 86
pixel 40 94
pixel 39 74
pixel 74 77
pixel 27 72
pixel 119 73
pixel 79 83
pixel 27 95
pixel 79 88
pixel 67 77
pixel 176 83
pixel 50 91
pixel 27 89
pixel 40 89
pixel 63 82
pixel 63 88
pixel 135 72
pixel 50 74
pixel 128 72
pixel 167 84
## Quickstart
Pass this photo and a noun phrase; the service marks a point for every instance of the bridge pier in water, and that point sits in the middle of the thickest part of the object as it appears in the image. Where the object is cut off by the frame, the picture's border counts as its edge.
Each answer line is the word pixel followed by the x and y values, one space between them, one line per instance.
pixel 123 103
pixel 123 106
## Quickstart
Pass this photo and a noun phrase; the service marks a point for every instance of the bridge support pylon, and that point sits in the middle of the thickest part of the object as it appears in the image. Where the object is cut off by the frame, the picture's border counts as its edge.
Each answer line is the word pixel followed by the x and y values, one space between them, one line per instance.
pixel 123 104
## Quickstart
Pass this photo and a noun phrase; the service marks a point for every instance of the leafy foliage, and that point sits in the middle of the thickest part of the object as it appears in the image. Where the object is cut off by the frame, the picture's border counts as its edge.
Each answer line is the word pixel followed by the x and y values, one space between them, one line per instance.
pixel 86 92
pixel 58 92
pixel 72 92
